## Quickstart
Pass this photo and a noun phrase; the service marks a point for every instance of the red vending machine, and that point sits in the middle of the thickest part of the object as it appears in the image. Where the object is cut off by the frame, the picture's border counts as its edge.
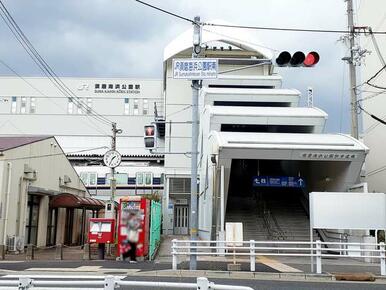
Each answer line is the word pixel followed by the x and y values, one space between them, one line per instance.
pixel 142 205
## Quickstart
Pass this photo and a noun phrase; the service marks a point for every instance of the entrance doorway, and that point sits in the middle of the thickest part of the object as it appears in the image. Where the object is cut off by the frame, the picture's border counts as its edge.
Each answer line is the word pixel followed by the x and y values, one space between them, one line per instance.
pixel 181 220
pixel 32 219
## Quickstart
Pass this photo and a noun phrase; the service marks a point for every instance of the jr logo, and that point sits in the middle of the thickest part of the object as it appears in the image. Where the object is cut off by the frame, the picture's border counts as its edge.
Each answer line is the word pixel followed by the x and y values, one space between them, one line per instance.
pixel 83 87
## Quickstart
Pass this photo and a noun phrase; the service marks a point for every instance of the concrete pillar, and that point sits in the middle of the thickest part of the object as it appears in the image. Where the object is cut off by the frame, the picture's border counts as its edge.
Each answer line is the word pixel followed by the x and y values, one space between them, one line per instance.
pixel 61 226
pixel 86 252
pixel 59 252
pixel 30 255
pixel 43 221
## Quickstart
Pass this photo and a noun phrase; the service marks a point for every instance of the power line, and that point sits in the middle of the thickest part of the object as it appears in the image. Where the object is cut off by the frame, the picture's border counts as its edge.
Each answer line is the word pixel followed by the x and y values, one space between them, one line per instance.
pixel 288 29
pixel 165 11
pixel 55 154
pixel 43 65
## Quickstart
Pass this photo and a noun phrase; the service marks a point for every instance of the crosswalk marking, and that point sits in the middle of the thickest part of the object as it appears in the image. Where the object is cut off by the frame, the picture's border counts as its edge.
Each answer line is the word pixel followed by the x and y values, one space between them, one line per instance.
pixel 274 264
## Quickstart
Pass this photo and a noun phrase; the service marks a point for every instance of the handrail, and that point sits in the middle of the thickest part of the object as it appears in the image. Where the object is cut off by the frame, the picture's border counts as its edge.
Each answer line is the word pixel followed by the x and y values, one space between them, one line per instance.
pixel 264 248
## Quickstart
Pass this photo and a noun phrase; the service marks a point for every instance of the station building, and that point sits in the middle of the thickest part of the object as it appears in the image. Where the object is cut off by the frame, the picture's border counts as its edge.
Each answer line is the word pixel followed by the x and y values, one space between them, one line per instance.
pixel 260 154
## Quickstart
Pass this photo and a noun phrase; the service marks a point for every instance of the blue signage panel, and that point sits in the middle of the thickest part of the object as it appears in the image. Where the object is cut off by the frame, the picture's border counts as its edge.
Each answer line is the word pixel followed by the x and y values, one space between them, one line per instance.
pixel 278 181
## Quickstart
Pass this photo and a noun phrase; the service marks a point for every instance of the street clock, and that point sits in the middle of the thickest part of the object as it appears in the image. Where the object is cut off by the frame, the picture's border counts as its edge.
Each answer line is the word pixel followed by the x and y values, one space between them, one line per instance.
pixel 112 158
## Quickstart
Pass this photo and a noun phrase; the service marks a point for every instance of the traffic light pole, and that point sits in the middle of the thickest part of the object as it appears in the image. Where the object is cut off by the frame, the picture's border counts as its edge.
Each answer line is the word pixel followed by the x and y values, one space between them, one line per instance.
pixel 352 70
pixel 193 180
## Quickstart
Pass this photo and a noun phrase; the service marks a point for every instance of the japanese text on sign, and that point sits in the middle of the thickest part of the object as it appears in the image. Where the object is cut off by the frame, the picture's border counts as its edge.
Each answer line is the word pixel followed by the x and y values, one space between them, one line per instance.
pixel 278 181
pixel 195 69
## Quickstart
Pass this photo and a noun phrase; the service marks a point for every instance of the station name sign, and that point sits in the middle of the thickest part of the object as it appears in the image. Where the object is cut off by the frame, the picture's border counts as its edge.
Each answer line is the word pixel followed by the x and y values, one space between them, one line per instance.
pixel 195 68
pixel 278 181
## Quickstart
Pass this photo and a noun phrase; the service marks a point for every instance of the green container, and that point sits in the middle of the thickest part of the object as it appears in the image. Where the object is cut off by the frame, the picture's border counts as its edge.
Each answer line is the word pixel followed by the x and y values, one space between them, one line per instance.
pixel 155 228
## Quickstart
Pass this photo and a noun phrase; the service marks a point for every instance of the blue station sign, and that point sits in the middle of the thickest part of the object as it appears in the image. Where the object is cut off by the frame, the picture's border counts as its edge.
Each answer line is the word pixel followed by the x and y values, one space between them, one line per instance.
pixel 278 181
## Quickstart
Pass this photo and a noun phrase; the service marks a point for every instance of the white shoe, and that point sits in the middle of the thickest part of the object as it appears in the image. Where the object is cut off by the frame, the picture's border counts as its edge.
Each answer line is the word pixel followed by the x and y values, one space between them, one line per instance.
pixel 133 262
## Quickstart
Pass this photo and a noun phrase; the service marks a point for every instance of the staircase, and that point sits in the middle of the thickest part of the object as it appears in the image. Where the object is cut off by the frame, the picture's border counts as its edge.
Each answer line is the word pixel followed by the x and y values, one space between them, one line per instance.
pixel 244 209
pixel 288 217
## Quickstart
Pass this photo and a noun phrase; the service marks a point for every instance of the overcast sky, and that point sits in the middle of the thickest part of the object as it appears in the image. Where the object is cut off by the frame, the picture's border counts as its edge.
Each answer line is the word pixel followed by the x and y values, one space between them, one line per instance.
pixel 122 38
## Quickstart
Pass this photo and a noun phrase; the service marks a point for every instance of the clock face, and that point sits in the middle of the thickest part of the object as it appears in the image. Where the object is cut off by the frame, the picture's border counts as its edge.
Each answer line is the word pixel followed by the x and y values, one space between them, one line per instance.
pixel 112 158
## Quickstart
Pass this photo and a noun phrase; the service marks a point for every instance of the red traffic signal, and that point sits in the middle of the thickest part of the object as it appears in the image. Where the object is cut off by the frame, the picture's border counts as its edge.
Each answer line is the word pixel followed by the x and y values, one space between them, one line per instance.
pixel 150 137
pixel 297 59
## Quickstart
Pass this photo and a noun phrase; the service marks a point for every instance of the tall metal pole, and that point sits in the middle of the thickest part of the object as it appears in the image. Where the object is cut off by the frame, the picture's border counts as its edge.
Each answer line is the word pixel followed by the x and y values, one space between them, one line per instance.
pixel 352 70
pixel 193 183
pixel 113 147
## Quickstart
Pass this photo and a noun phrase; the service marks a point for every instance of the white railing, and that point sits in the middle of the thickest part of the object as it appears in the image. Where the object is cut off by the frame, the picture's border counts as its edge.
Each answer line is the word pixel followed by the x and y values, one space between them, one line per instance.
pixel 111 282
pixel 252 249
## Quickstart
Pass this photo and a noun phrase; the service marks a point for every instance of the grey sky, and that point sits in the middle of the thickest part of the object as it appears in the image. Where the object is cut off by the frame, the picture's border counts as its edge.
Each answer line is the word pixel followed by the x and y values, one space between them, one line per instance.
pixel 121 38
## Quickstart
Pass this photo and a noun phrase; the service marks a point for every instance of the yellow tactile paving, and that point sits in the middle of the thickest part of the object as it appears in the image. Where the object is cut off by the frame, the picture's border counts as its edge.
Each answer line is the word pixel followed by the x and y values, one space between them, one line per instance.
pixel 274 264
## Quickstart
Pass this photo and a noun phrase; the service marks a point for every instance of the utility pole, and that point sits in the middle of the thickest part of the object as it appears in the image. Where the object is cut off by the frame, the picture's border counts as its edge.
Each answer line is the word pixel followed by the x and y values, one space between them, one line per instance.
pixel 352 70
pixel 193 181
pixel 113 185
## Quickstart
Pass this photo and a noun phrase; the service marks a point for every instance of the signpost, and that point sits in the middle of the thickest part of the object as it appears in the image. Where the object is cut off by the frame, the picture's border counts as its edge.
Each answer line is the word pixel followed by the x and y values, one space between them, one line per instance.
pixel 195 69
pixel 279 181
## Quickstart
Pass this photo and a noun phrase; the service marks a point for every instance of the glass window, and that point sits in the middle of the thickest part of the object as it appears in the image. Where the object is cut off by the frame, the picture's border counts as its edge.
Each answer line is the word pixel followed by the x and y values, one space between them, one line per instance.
pixel 148 178
pixel 127 107
pixel 120 178
pixel 137 87
pixel 80 108
pixel 23 105
pixel 70 106
pixel 92 178
pixel 89 105
pixel 136 107
pixel 84 177
pixel 32 105
pixel 14 105
pixel 139 178
pixel 145 106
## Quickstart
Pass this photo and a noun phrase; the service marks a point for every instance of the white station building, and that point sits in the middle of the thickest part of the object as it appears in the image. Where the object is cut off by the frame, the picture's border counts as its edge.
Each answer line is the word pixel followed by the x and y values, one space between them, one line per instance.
pixel 255 140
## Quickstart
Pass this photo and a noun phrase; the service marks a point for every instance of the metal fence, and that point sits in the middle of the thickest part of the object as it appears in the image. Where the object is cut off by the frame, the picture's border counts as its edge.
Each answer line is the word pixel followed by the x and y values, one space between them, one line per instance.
pixel 155 228
pixel 252 249
pixel 111 282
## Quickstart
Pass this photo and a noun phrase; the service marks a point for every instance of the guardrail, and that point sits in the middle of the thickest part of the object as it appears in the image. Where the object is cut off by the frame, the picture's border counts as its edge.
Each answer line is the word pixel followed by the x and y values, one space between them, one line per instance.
pixel 253 249
pixel 111 282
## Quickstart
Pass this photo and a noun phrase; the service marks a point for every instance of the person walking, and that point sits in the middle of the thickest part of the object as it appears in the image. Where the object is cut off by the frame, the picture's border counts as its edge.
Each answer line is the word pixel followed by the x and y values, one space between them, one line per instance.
pixel 133 226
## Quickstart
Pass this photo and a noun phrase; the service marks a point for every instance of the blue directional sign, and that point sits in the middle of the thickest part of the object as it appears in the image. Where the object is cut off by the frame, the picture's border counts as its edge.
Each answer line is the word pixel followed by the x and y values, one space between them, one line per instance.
pixel 279 181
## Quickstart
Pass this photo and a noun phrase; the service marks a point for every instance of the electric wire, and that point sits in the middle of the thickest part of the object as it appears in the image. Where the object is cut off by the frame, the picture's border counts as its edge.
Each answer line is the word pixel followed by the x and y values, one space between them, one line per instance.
pixel 95 126
pixel 42 64
pixel 256 27
pixel 55 154
pixel 165 11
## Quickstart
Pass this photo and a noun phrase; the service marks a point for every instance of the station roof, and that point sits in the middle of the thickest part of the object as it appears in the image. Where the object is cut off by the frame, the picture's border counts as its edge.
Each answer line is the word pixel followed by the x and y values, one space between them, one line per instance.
pixel 68 200
pixel 232 36
pixel 293 141
pixel 10 142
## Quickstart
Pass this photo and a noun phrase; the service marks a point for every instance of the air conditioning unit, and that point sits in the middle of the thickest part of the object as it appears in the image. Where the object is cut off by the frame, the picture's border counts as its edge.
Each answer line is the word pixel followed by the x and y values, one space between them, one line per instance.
pixel 14 243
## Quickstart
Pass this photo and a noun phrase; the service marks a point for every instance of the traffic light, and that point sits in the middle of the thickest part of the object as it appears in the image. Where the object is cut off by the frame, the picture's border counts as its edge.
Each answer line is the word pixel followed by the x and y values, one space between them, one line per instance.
pixel 150 137
pixel 297 59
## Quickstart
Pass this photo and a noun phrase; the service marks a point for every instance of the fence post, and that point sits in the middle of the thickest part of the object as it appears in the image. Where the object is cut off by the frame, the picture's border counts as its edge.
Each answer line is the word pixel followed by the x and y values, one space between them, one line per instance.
pixel 318 257
pixel 203 283
pixel 24 283
pixel 253 257
pixel 382 254
pixel 109 283
pixel 174 254
pixel 86 252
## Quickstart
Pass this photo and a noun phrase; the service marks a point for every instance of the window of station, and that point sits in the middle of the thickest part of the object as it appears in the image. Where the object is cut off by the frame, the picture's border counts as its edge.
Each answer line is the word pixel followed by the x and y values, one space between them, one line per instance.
pixel 120 178
pixel 266 128
pixel 14 105
pixel 23 105
pixel 126 106
pixel 144 178
pixel 80 108
pixel 89 178
pixel 136 107
pixel 32 105
pixel 145 109
pixel 70 106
